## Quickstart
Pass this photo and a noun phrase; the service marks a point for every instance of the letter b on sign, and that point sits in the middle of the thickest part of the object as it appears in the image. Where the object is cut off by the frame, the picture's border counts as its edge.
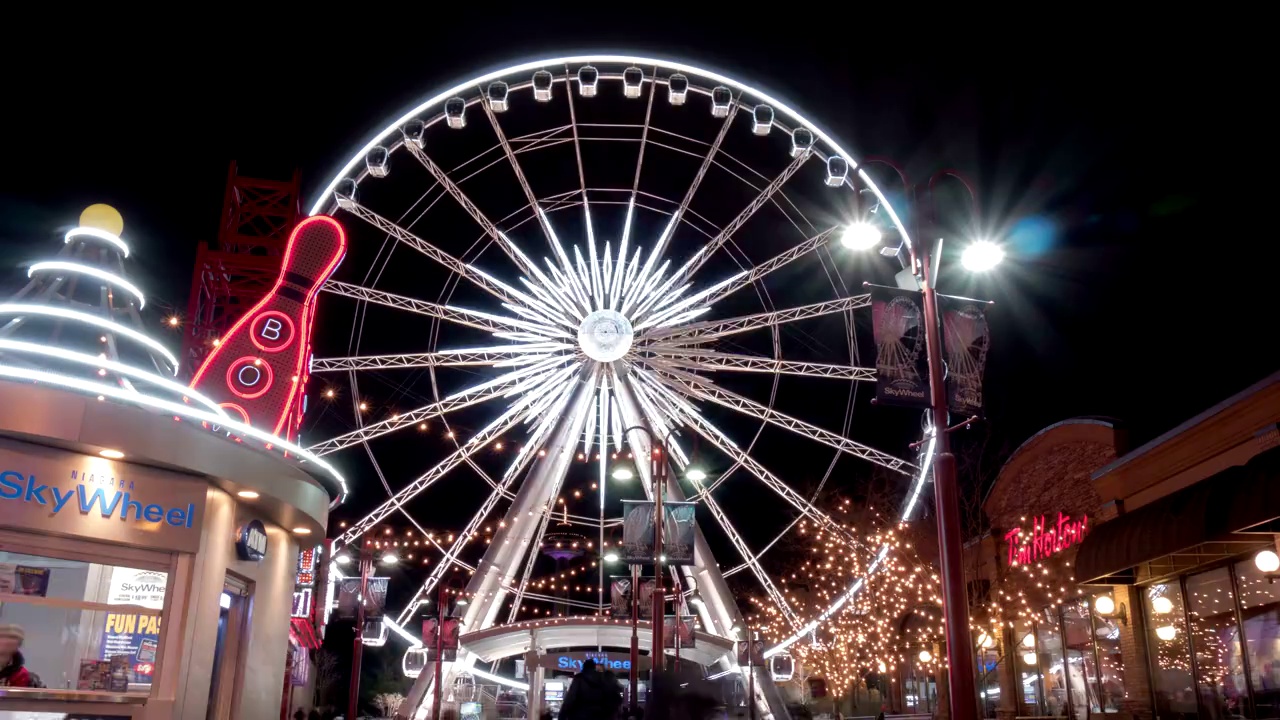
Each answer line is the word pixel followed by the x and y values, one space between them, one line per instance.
pixel 272 331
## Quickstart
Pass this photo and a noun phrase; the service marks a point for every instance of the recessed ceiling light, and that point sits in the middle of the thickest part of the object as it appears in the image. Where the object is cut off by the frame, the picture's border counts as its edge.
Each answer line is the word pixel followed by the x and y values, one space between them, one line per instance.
pixel 302 531
pixel 248 494
pixel 111 454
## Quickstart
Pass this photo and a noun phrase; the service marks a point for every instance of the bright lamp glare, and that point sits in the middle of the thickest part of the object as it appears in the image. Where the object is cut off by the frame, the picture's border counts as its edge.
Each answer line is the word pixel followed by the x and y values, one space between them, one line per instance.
pixel 860 236
pixel 1104 604
pixel 342 558
pixel 695 474
pixel 1267 561
pixel 981 255
pixel 611 557
pixel 390 559
pixel 623 473
pixel 1167 632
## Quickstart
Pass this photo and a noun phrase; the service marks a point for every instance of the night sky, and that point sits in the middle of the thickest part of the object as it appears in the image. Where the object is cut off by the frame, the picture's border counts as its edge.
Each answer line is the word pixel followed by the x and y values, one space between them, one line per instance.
pixel 1138 284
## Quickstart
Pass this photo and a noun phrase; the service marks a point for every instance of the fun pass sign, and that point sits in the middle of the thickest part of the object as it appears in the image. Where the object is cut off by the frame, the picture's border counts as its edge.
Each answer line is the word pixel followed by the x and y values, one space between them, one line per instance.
pixel 58 492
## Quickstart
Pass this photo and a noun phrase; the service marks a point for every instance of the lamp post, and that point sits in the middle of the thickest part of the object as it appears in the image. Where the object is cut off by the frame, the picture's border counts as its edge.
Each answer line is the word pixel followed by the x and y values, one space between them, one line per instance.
pixel 442 613
pixel 365 557
pixel 979 256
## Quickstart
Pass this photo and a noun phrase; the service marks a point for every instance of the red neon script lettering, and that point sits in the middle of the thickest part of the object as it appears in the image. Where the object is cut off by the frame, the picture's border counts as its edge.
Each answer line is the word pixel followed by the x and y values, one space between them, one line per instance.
pixel 1045 539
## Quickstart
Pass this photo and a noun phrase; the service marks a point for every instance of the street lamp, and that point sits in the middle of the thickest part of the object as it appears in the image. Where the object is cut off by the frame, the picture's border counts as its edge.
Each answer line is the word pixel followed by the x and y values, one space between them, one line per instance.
pixel 695 474
pixel 980 255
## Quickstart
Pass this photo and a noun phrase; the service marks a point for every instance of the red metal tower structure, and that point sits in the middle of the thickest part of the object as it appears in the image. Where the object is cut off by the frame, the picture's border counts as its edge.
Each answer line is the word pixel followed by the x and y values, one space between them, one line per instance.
pixel 240 266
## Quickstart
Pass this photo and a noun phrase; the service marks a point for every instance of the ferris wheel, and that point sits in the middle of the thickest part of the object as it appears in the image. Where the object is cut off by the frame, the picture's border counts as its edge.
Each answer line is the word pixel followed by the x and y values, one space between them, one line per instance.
pixel 565 249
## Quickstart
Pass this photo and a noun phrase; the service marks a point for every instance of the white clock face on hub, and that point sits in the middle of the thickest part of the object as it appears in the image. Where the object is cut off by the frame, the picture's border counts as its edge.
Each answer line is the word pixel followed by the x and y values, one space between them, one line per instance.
pixel 605 335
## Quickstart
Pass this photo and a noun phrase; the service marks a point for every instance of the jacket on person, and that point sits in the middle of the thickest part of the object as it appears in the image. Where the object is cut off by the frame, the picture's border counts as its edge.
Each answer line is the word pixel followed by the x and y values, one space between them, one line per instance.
pixel 15 673
pixel 591 696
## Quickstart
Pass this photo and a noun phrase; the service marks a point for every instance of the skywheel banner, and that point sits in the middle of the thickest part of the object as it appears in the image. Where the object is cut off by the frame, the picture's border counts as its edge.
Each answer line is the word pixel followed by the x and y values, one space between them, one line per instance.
pixel 965 338
pixel 902 368
pixel 678 532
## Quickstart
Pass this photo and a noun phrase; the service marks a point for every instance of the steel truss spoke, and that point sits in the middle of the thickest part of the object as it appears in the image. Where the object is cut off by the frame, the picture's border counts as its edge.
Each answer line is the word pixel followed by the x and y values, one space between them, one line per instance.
pixel 711 360
pixel 501 386
pixel 515 165
pixel 494 287
pixel 706 331
pixel 470 318
pixel 713 393
pixel 452 187
pixel 726 233
pixel 749 276
pixel 495 356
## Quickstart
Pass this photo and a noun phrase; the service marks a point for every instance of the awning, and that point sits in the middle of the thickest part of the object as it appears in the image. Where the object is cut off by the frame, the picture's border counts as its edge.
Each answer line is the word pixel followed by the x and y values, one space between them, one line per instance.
pixel 1194 521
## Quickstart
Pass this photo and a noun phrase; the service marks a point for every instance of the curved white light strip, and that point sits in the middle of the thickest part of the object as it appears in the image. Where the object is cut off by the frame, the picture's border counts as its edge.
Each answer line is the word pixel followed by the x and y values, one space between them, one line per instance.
pixel 103 275
pixel 105 324
pixel 108 237
pixel 176 408
pixel 777 105
pixel 118 368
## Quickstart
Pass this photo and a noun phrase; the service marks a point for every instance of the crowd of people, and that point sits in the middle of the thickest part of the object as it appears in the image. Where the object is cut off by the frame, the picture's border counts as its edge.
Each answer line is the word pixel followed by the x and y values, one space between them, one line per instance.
pixel 595 694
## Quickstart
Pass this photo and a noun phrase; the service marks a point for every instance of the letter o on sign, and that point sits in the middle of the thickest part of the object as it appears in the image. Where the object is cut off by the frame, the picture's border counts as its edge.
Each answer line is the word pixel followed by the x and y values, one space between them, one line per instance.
pixel 249 377
pixel 272 331
pixel 251 542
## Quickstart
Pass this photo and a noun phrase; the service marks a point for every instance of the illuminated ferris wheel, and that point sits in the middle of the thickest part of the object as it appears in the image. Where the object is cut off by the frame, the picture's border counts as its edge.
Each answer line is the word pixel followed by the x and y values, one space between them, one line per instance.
pixel 564 249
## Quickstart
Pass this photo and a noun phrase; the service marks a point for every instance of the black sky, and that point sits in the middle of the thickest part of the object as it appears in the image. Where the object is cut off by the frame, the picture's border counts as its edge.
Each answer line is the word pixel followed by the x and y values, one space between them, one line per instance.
pixel 1153 301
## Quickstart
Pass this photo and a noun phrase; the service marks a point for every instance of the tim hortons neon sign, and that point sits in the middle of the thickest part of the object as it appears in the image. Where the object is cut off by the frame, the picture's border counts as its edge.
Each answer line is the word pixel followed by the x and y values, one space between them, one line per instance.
pixel 1045 539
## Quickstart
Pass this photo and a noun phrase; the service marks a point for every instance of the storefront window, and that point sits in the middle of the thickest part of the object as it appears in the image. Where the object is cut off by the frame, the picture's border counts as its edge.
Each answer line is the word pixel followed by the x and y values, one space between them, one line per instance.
pixel 1082 670
pixel 1260 610
pixel 72 635
pixel 1106 638
pixel 1049 645
pixel 1215 641
pixel 1028 664
pixel 1167 641
pixel 988 661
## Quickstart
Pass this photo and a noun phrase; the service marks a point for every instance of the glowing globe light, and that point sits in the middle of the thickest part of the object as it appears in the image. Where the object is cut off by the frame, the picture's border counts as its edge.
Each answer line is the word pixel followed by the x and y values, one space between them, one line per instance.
pixel 1029 658
pixel 1162 606
pixel 860 236
pixel 1267 561
pixel 925 656
pixel 1167 632
pixel 981 255
pixel 1029 640
pixel 102 217
pixel 605 335
pixel 1104 604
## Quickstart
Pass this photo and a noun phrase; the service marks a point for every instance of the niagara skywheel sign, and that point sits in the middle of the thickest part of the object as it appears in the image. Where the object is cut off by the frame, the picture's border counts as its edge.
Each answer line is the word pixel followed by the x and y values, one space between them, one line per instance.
pixel 547 255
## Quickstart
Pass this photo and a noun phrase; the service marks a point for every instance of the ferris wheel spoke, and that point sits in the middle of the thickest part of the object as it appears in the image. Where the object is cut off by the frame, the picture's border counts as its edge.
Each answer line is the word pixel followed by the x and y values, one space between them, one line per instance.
pixel 708 159
pixel 498 356
pixel 746 278
pixel 644 134
pixel 706 331
pixel 452 188
pixel 713 393
pixel 472 318
pixel 711 360
pixel 525 378
pixel 726 233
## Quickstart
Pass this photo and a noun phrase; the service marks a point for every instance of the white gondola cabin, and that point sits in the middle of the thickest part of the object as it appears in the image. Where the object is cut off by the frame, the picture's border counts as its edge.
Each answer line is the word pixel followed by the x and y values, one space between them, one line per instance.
pixel 496 94
pixel 801 141
pixel 721 99
pixel 415 133
pixel 413 662
pixel 542 86
pixel 837 171
pixel 677 89
pixel 455 113
pixel 374 634
pixel 762 120
pixel 632 82
pixel 376 160
pixel 588 81
pixel 782 667
pixel 345 192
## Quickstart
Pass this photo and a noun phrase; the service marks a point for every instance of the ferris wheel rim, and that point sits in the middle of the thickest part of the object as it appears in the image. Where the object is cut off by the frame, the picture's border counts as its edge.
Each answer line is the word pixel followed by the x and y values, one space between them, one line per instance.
pixel 327 194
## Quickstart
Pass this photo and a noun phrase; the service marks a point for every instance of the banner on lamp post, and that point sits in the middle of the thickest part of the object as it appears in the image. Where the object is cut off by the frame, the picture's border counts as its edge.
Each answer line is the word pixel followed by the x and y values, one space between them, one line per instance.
pixel 678 532
pixel 620 597
pixel 965 339
pixel 902 367
pixel 645 600
pixel 683 627
pixel 375 597
pixel 637 532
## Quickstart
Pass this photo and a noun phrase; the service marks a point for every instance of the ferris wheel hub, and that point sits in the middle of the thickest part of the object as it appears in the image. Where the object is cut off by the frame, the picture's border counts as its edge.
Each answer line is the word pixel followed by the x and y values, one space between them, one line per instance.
pixel 605 335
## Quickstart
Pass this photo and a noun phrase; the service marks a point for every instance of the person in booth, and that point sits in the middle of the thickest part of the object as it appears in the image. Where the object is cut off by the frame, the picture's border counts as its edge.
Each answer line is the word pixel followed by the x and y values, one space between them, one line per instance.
pixel 13 672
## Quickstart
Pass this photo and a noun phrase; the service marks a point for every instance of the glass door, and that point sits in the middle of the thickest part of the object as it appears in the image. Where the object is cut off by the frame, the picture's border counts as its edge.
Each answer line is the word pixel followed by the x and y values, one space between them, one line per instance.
pixel 233 615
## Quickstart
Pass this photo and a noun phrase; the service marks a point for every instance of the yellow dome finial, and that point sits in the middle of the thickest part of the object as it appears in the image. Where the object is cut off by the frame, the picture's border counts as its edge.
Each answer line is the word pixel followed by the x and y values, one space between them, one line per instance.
pixel 102 217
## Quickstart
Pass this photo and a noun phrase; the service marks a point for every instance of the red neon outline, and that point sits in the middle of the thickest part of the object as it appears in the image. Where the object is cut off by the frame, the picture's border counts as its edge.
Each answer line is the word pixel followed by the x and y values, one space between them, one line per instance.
pixel 253 337
pixel 232 406
pixel 256 362
pixel 288 253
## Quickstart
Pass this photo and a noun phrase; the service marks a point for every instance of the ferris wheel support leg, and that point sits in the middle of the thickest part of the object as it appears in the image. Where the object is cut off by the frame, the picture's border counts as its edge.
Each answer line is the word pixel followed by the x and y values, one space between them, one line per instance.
pixel 721 613
pixel 501 564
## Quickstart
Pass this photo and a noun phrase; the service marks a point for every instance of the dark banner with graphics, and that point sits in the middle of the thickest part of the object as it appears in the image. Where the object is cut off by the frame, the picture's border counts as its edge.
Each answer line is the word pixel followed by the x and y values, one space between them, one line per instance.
pixel 375 598
pixel 965 337
pixel 645 601
pixel 678 532
pixel 750 652
pixel 637 532
pixel 902 368
pixel 681 630
pixel 620 597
